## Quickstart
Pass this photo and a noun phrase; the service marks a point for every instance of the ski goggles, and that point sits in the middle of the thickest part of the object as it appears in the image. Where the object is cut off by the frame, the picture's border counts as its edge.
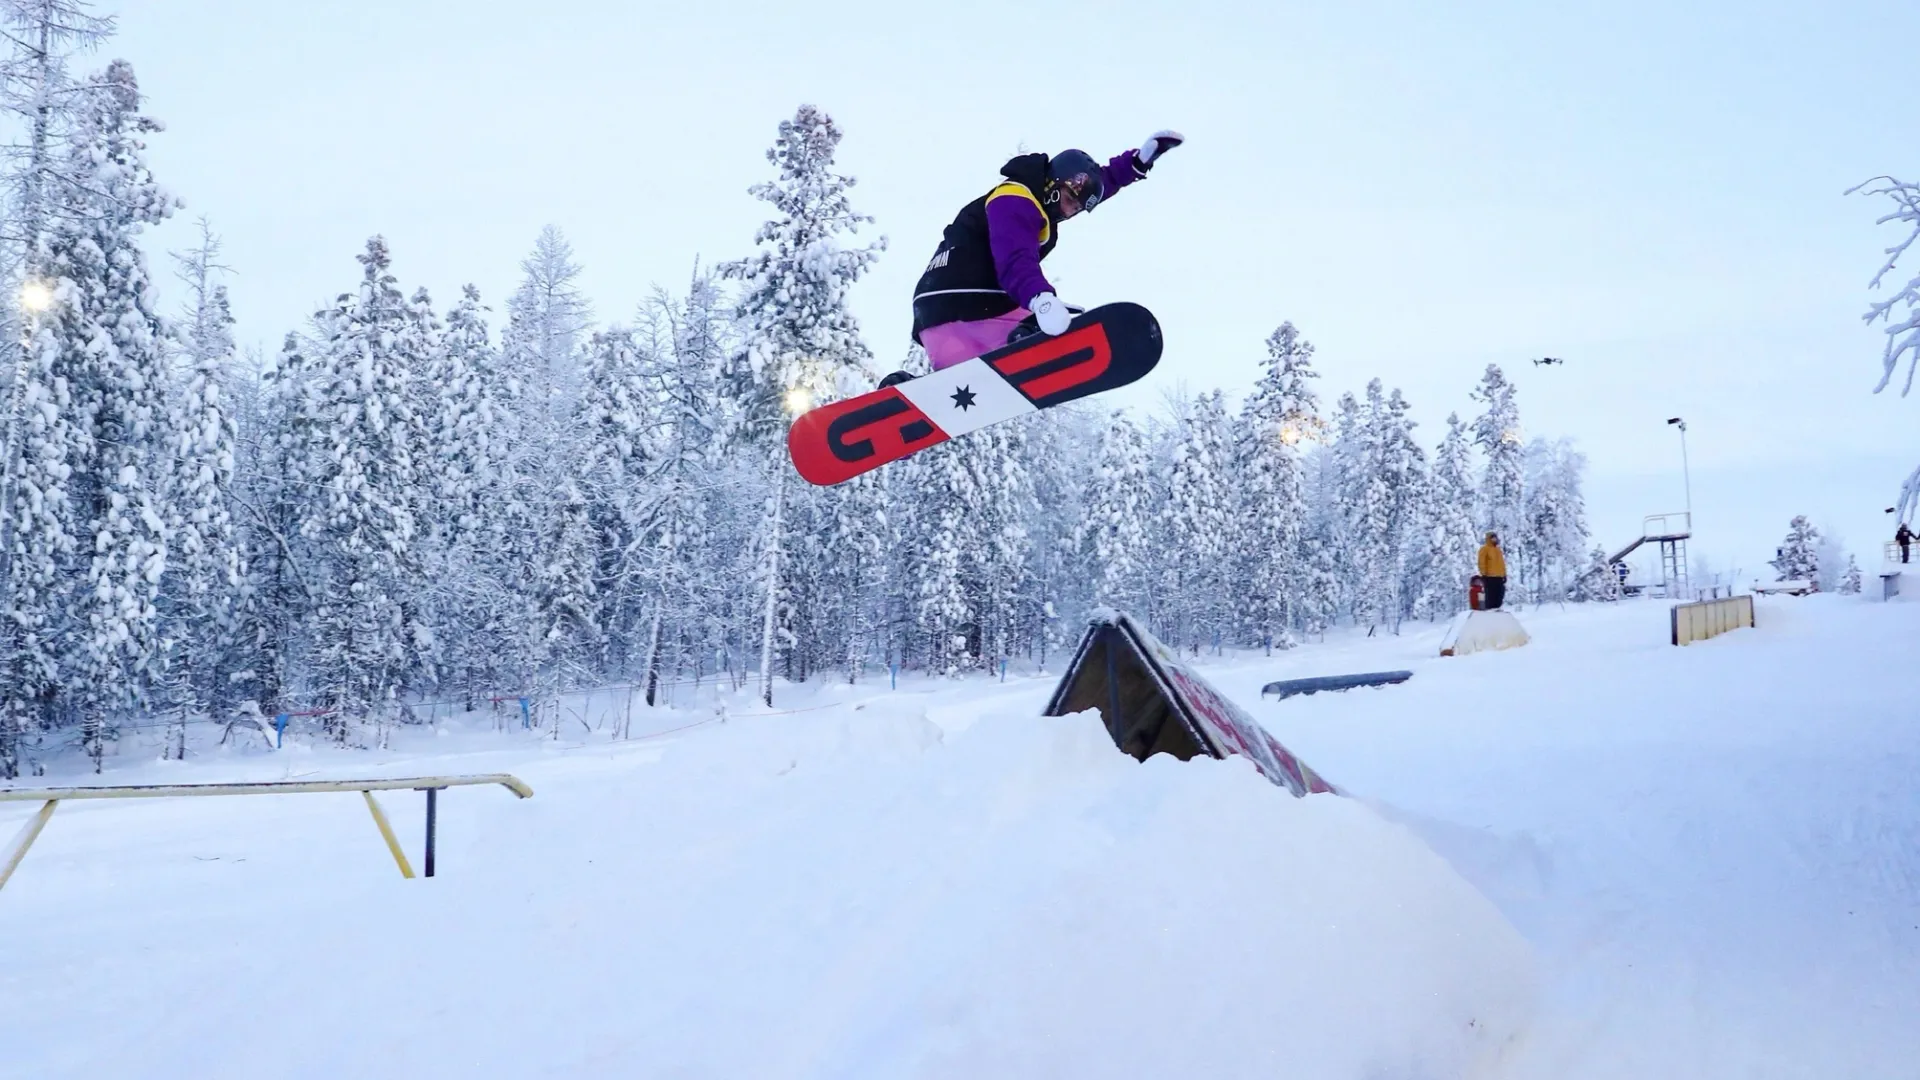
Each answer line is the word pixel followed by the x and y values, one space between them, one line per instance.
pixel 1087 189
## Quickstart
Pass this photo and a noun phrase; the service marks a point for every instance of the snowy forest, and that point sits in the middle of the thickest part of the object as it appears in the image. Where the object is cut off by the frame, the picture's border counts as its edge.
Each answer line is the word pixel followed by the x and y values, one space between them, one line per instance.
pixel 471 499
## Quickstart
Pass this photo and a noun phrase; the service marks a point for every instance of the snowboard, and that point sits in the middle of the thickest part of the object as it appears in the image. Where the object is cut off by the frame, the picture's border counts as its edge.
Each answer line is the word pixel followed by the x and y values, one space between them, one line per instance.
pixel 1102 349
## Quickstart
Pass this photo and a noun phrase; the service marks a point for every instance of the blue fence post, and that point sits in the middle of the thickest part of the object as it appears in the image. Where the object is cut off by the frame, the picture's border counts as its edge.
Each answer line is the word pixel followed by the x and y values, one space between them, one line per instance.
pixel 526 714
pixel 1003 669
pixel 893 675
pixel 279 731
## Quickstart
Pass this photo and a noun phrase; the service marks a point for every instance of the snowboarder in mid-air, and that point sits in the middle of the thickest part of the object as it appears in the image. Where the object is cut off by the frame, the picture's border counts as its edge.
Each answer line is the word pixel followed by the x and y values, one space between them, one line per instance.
pixel 1001 342
pixel 983 286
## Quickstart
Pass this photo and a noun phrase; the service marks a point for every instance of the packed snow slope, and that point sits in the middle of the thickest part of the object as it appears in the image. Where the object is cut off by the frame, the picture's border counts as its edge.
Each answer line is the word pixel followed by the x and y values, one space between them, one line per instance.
pixel 1715 850
pixel 1596 855
pixel 851 891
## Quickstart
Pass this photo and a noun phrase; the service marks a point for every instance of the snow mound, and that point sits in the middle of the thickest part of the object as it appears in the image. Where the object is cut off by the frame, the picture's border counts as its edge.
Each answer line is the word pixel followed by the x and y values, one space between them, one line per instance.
pixel 824 896
pixel 1482 631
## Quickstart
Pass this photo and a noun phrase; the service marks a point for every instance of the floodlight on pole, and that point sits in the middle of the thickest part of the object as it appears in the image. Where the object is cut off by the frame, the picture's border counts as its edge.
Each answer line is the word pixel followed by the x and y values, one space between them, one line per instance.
pixel 1686 471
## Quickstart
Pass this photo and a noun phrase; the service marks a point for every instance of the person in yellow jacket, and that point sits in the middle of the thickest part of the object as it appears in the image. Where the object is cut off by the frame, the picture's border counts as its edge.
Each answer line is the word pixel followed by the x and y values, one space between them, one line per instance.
pixel 1493 572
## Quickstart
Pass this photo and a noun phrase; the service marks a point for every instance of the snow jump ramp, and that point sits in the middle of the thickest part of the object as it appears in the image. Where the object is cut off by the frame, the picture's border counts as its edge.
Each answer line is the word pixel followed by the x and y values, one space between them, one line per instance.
pixel 1153 704
pixel 1482 631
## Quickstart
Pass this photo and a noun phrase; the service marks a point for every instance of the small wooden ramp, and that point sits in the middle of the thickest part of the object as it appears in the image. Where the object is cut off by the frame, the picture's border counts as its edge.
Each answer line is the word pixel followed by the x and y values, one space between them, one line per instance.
pixel 1153 704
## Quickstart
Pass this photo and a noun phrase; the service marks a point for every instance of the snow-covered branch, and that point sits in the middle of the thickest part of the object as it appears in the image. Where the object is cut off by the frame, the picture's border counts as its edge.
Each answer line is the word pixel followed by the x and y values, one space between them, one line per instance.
pixel 1903 336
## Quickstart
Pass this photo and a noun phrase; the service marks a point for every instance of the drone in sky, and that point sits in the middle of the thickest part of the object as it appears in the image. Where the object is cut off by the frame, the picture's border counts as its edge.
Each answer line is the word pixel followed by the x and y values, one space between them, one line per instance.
pixel 1548 360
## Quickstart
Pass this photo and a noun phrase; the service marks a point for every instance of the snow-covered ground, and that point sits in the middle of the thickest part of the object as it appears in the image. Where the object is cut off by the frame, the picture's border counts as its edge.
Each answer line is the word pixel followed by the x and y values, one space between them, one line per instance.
pixel 1596 855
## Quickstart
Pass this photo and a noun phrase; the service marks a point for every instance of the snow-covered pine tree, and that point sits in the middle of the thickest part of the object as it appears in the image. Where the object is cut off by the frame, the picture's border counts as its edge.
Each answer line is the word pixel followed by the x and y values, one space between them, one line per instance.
pixel 1199 513
pixel 1347 506
pixel 1599 581
pixel 1554 517
pixel 1830 554
pixel 1448 528
pixel 565 637
pixel 419 346
pixel 1383 475
pixel 802 340
pixel 110 350
pixel 37 39
pixel 1404 465
pixel 854 552
pixel 1797 558
pixel 1320 590
pixel 41 543
pixel 1116 535
pixel 619 428
pixel 1060 447
pixel 1497 433
pixel 480 522
pixel 464 403
pixel 275 595
pixel 968 547
pixel 802 344
pixel 1324 589
pixel 355 457
pixel 1850 579
pixel 683 348
pixel 202 599
pixel 1000 564
pixel 719 536
pixel 36 530
pixel 1281 415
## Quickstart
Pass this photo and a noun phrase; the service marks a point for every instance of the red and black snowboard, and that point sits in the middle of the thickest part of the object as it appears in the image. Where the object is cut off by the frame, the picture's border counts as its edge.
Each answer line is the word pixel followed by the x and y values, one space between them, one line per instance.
pixel 1105 348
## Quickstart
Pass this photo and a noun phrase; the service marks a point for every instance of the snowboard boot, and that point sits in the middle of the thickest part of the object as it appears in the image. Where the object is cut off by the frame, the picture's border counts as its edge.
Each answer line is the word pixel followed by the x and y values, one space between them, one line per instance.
pixel 1030 326
pixel 1024 329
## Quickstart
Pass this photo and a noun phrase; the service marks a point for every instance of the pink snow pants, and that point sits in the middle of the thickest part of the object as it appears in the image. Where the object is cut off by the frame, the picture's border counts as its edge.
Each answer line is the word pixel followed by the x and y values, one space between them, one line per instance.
pixel 950 343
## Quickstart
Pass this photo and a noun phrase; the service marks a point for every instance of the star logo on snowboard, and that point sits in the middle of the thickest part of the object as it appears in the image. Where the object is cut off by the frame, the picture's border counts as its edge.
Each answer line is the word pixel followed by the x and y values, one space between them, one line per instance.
pixel 963 398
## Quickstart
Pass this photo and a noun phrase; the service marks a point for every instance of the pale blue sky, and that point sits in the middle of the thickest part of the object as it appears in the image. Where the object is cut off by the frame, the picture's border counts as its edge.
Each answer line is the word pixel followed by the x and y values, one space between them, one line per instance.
pixel 1650 190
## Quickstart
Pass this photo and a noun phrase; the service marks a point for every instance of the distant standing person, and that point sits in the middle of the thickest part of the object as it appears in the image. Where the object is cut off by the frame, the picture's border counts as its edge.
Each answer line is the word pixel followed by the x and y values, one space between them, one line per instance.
pixel 1493 571
pixel 1904 538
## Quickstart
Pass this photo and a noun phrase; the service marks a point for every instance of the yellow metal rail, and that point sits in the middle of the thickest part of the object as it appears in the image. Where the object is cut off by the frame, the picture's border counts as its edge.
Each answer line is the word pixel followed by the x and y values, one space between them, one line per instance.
pixel 432 785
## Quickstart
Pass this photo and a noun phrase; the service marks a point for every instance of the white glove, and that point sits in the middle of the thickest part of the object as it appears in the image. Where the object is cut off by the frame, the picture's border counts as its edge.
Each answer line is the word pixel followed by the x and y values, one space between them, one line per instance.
pixel 1051 314
pixel 1157 143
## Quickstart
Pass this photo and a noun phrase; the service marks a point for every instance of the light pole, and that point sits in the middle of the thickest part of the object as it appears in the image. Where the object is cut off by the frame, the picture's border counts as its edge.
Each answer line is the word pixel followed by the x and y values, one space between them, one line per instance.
pixel 1686 473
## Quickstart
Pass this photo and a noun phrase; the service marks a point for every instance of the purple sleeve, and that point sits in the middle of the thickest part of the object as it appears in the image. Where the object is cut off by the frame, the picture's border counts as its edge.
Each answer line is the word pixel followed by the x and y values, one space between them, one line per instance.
pixel 1013 231
pixel 1119 172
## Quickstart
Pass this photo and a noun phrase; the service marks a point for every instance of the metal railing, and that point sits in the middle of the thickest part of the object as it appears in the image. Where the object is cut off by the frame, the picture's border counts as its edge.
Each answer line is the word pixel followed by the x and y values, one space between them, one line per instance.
pixel 1657 526
pixel 432 785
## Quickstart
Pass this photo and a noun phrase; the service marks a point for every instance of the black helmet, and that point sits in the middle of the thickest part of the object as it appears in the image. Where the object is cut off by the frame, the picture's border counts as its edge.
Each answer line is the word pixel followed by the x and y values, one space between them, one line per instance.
pixel 1078 173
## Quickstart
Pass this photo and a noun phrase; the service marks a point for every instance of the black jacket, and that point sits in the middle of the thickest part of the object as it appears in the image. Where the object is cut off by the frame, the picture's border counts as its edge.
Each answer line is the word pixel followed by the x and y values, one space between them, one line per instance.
pixel 960 282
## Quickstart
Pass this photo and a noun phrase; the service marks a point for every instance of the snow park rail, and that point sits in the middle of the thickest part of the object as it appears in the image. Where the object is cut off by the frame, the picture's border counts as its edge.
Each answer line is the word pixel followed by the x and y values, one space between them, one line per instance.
pixel 1710 618
pixel 432 785
pixel 1287 688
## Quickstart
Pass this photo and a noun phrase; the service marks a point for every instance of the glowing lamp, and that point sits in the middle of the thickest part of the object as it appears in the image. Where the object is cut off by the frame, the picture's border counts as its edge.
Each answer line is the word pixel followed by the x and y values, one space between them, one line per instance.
pixel 36 296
